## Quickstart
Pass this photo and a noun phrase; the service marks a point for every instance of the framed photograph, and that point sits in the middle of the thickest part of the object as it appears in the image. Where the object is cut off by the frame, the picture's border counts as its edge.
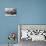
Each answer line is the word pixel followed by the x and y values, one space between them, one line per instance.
pixel 10 12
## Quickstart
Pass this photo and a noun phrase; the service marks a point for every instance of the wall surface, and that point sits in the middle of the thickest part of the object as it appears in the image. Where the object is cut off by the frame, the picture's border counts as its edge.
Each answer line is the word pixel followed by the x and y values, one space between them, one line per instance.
pixel 28 12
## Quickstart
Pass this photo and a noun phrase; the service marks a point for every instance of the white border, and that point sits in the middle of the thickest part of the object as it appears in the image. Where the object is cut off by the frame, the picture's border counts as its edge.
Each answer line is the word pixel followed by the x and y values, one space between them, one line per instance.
pixel 18 33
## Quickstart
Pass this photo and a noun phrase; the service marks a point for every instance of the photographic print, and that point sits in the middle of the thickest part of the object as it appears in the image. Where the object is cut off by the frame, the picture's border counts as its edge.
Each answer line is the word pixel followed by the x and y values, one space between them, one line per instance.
pixel 31 35
pixel 10 11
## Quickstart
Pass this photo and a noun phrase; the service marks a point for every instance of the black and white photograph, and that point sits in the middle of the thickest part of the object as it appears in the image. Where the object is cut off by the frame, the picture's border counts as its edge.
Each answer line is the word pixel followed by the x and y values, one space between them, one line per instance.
pixel 10 11
pixel 29 34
